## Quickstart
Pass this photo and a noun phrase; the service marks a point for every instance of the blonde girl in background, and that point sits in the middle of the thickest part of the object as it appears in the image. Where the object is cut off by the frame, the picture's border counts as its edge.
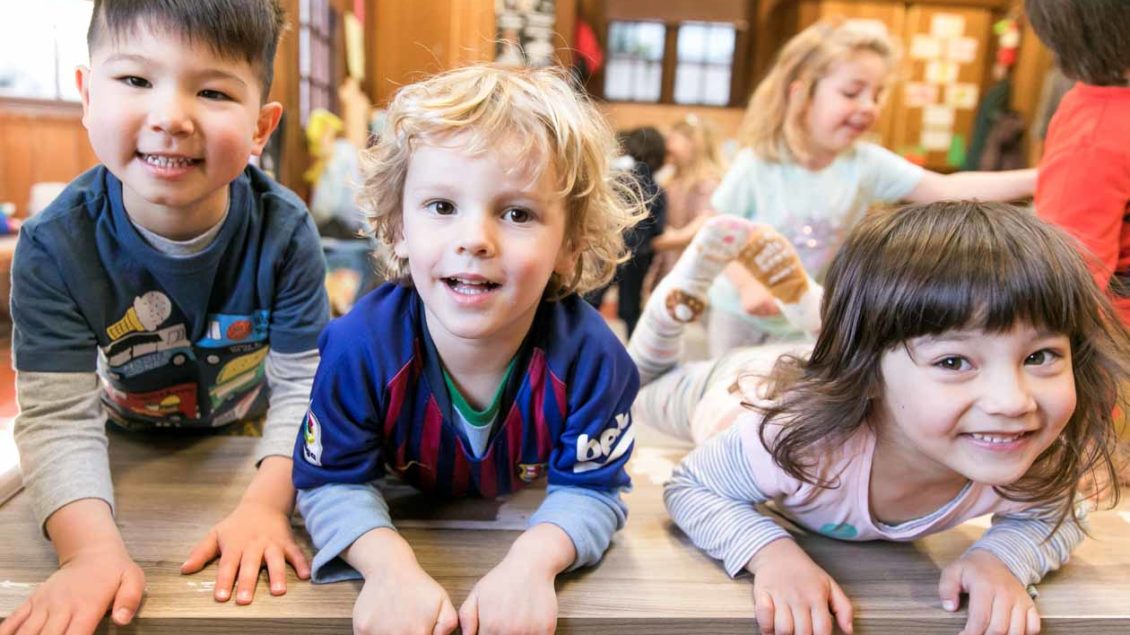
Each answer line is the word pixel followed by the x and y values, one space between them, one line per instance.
pixel 695 155
pixel 805 170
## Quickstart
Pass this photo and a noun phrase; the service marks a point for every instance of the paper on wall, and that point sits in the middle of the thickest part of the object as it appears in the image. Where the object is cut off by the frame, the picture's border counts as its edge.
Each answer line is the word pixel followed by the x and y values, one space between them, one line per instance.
pixel 937 139
pixel 925 47
pixel 938 117
pixel 962 95
pixel 962 50
pixel 941 72
pixel 947 25
pixel 919 94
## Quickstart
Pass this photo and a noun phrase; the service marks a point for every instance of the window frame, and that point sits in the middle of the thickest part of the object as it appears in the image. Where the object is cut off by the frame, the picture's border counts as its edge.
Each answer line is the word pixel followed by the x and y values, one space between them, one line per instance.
pixel 669 62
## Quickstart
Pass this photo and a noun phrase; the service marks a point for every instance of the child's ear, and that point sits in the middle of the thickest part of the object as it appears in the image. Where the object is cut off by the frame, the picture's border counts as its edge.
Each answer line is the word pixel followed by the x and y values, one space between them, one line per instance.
pixel 566 260
pixel 82 81
pixel 269 115
pixel 400 248
pixel 796 91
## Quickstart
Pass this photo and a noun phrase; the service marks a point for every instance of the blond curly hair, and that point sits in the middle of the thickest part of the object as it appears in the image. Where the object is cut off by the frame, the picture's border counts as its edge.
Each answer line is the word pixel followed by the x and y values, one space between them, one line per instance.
pixel 536 110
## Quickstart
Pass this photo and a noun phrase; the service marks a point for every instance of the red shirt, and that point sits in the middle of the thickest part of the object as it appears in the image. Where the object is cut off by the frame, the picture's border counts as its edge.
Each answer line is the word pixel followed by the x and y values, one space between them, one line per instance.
pixel 1084 180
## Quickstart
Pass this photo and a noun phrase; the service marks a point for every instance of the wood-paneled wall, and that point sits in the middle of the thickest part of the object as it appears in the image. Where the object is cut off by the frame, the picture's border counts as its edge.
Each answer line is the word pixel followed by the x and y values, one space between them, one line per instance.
pixel 40 141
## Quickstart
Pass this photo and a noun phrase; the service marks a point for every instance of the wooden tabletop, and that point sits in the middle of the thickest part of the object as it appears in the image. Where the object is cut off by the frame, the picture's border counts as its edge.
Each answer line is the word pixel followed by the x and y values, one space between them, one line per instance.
pixel 170 491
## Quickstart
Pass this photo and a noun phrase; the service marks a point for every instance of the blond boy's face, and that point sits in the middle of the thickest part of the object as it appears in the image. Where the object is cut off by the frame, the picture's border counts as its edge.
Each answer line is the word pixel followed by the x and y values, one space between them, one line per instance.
pixel 173 121
pixel 482 238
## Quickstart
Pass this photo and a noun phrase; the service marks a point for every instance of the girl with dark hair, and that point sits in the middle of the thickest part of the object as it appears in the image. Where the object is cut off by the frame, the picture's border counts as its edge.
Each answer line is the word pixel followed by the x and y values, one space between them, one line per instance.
pixel 968 365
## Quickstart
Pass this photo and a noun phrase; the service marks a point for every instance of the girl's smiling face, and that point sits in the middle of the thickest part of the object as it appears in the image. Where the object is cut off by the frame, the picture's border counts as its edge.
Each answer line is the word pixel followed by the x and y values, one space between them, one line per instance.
pixel 970 404
pixel 844 104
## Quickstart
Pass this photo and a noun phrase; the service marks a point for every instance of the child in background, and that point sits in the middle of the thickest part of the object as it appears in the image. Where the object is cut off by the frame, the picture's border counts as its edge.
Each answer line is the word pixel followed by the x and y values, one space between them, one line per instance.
pixel 806 173
pixel 696 158
pixel 1084 183
pixel 968 365
pixel 644 148
pixel 483 370
pixel 172 287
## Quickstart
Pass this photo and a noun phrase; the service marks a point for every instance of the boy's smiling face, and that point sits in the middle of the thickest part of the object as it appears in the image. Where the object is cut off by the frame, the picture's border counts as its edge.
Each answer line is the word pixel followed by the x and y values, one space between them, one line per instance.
pixel 482 238
pixel 175 123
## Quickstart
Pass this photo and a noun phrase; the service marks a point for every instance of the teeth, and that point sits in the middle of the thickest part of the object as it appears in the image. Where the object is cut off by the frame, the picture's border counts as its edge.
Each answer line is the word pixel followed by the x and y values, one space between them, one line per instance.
pixel 471 287
pixel 167 162
pixel 993 438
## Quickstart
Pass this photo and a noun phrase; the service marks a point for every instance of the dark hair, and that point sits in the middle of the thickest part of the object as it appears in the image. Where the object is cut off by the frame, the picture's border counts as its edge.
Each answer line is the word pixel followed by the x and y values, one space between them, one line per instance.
pixel 235 29
pixel 927 269
pixel 645 145
pixel 1090 38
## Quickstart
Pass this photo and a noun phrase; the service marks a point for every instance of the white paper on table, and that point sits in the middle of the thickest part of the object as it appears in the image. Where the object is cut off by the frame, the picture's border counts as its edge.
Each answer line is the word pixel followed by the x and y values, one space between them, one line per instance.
pixel 938 117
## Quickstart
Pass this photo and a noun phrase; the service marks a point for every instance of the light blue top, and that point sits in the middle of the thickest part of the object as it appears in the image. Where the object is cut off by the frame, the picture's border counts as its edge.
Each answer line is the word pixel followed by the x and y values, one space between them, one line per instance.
pixel 813 208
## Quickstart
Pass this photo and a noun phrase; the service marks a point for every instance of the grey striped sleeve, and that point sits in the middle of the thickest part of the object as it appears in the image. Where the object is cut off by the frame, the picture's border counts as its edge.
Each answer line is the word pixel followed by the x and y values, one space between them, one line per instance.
pixel 61 435
pixel 1029 543
pixel 712 496
pixel 290 377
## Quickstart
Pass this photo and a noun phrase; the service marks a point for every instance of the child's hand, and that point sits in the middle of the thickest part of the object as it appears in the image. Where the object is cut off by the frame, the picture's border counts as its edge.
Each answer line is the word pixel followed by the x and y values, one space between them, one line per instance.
pixel 756 299
pixel 252 534
pixel 998 602
pixel 403 599
pixel 257 531
pixel 792 594
pixel 512 598
pixel 75 597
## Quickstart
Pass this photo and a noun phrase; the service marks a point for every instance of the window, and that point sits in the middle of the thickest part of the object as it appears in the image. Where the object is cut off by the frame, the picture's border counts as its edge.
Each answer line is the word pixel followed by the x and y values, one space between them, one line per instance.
pixel 705 57
pixel 40 49
pixel 635 61
pixel 688 63
pixel 316 73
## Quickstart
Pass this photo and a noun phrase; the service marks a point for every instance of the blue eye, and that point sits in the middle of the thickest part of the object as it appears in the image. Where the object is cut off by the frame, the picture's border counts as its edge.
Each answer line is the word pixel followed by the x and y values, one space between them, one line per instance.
pixel 442 208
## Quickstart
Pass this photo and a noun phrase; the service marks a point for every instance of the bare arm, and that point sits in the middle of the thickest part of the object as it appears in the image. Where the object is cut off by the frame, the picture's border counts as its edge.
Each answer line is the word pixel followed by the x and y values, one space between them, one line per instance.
pixel 986 186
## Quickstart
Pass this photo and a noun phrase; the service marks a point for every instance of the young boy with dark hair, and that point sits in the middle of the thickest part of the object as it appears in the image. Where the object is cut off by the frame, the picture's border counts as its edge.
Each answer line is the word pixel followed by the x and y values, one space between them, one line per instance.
pixel 172 287
pixel 1084 178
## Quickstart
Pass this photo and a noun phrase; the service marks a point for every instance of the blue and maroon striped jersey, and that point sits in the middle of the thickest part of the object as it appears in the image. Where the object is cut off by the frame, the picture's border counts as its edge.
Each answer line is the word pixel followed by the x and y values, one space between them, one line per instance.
pixel 380 404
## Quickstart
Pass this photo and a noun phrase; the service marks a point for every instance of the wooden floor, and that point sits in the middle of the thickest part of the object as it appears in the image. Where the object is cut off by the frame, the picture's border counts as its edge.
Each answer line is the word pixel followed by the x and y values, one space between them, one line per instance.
pixel 651 581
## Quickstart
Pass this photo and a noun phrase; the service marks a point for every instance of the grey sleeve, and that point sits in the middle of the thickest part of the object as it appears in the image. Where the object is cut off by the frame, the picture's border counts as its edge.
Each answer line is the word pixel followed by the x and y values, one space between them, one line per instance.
pixel 589 517
pixel 290 377
pixel 336 515
pixel 1029 543
pixel 713 497
pixel 61 436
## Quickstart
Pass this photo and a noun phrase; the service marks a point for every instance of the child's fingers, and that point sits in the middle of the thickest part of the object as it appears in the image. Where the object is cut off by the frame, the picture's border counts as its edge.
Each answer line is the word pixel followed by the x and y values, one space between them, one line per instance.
pixel 128 598
pixel 783 620
pixel 448 619
pixel 1018 623
pixel 468 615
pixel 203 553
pixel 225 574
pixel 33 622
pixel 83 622
pixel 248 575
pixel 276 569
pixel 821 620
pixel 17 618
pixel 1000 616
pixel 949 588
pixel 841 606
pixel 57 622
pixel 1033 618
pixel 978 614
pixel 297 560
pixel 763 610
